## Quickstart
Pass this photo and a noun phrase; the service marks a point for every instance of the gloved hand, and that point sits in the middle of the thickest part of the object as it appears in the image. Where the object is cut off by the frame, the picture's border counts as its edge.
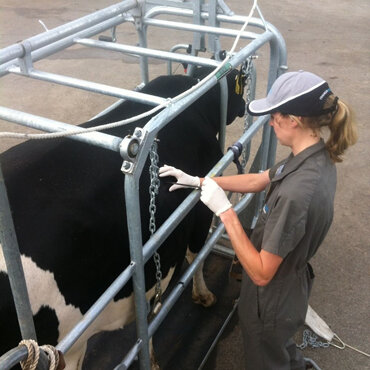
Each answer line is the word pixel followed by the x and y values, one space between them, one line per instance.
pixel 214 197
pixel 181 177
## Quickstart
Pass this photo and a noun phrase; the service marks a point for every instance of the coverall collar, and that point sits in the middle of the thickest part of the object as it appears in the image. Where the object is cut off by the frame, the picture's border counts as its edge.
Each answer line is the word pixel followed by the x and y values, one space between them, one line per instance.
pixel 293 162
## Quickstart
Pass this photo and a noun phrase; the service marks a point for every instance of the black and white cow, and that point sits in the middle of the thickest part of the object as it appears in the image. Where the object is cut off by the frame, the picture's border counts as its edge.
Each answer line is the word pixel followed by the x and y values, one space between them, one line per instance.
pixel 67 202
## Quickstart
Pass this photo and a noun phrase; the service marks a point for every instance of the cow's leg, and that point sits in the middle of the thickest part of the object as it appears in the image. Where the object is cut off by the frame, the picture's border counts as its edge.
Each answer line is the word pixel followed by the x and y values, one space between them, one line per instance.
pixel 75 359
pixel 200 294
pixel 153 361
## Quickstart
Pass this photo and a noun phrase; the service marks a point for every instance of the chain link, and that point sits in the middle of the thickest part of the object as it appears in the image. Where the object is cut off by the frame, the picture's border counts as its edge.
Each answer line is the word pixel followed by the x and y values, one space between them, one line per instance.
pixel 154 185
pixel 153 191
pixel 310 339
pixel 247 70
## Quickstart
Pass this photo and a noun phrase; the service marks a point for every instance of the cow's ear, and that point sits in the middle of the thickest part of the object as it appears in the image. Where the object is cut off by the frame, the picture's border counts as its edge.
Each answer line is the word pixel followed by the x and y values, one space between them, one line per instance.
pixel 240 81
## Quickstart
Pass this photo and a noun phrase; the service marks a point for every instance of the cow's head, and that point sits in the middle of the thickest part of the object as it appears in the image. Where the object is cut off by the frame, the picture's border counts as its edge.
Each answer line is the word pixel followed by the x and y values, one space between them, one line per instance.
pixel 236 81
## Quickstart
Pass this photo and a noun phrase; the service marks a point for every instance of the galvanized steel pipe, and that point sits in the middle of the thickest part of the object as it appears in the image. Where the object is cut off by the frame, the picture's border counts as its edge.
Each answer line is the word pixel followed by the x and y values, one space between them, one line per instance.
pixel 40 123
pixel 45 38
pixel 91 86
pixel 165 55
pixel 14 265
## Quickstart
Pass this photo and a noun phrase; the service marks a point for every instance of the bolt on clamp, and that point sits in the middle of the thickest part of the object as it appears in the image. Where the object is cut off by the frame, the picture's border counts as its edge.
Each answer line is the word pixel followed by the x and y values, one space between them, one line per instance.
pixel 129 149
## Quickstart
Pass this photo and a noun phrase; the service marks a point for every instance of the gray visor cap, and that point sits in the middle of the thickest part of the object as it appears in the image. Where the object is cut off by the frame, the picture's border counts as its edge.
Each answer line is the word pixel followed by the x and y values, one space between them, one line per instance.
pixel 299 93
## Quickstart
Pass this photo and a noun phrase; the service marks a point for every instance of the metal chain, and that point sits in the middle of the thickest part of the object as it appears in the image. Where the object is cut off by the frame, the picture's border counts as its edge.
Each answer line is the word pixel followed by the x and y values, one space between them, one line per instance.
pixel 153 191
pixel 310 339
pixel 154 185
pixel 247 69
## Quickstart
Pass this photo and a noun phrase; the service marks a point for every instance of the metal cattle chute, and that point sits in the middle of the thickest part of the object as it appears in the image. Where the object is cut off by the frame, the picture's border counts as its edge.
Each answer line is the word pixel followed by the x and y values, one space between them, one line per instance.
pixel 202 21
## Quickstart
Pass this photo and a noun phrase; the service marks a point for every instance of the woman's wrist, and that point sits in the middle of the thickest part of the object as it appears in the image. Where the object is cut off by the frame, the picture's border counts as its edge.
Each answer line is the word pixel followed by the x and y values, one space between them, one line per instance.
pixel 228 215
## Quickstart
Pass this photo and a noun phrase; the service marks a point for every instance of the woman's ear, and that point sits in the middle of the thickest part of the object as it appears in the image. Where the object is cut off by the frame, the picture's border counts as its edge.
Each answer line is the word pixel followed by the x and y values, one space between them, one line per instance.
pixel 295 121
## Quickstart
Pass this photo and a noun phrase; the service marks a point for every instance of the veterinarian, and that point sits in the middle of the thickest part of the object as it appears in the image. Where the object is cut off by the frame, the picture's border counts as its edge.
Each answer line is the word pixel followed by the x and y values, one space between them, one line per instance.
pixel 295 217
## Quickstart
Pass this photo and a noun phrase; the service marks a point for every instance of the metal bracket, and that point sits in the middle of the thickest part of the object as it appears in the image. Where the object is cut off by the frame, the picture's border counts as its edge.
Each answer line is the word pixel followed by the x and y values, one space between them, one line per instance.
pixel 111 38
pixel 130 148
pixel 25 62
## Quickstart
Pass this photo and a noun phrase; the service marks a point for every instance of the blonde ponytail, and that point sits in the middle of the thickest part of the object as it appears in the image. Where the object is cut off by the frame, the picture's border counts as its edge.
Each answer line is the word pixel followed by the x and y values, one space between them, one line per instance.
pixel 342 126
pixel 343 132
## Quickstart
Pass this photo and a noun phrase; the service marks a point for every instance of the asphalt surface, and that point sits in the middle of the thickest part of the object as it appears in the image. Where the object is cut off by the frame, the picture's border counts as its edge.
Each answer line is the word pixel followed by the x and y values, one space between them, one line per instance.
pixel 329 38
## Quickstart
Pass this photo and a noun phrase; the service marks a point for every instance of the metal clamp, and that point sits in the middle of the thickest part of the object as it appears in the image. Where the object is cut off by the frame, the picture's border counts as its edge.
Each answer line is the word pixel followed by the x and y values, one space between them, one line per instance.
pixel 25 61
pixel 129 149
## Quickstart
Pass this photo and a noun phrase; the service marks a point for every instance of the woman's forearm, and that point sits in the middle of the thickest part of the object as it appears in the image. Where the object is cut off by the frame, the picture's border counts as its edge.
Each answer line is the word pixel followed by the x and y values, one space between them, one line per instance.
pixel 260 266
pixel 247 183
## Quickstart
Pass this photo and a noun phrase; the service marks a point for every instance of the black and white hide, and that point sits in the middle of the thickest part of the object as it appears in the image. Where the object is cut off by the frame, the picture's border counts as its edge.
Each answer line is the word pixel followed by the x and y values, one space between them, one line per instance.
pixel 68 207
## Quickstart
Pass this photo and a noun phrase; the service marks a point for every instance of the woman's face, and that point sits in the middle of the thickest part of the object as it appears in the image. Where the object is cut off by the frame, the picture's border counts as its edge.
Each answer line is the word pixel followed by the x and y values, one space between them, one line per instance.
pixel 282 127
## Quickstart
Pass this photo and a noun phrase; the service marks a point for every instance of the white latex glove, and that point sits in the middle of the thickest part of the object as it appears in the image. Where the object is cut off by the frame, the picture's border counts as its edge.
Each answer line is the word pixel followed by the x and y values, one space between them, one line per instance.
pixel 214 197
pixel 181 177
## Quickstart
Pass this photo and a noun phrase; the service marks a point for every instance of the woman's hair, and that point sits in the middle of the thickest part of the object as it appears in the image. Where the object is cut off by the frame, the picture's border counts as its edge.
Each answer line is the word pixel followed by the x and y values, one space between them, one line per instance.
pixel 342 126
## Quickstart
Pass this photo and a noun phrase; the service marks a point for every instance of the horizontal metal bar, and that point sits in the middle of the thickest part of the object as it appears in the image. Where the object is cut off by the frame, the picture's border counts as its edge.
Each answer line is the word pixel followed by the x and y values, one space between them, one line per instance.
pixel 66 42
pixel 226 18
pixel 90 86
pixel 232 19
pixel 199 28
pixel 149 52
pixel 277 40
pixel 45 38
pixel 171 10
pixel 66 343
pixel 40 123
pixel 223 251
pixel 171 3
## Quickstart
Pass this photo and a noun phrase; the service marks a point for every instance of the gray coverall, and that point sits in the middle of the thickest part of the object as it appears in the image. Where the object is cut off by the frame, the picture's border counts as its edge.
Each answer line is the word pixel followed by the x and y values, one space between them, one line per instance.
pixel 294 221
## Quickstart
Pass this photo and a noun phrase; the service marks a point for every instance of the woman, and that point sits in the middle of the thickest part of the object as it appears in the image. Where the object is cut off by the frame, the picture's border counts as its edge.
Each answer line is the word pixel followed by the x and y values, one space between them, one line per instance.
pixel 294 220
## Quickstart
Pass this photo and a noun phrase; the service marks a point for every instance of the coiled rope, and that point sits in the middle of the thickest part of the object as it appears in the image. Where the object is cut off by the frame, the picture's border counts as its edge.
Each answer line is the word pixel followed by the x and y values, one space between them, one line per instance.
pixel 30 363
pixel 54 135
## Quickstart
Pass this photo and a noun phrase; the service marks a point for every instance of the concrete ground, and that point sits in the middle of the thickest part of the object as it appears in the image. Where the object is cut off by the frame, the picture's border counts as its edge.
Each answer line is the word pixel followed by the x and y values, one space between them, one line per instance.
pixel 330 38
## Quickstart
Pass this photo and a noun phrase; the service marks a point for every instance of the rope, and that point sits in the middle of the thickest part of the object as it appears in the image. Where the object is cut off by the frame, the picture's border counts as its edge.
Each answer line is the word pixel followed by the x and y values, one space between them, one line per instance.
pixel 30 363
pixel 32 360
pixel 53 135
pixel 344 345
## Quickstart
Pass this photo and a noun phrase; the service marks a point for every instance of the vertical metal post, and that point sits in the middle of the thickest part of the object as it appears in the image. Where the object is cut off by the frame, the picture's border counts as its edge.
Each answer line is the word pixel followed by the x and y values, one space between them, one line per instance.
pixel 141 31
pixel 198 37
pixel 212 20
pixel 251 93
pixel 223 112
pixel 277 59
pixel 136 252
pixel 224 98
pixel 14 266
pixel 265 156
pixel 143 59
